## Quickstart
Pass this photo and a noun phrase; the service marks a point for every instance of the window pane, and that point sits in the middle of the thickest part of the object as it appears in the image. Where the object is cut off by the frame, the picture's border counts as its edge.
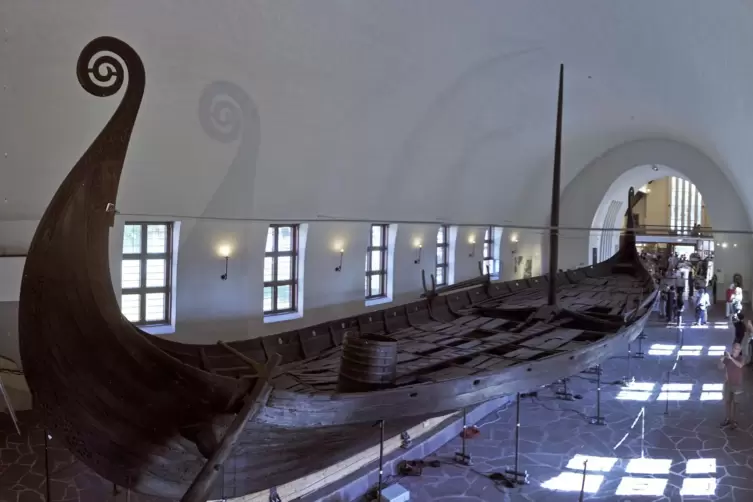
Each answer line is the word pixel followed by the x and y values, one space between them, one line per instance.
pixel 284 298
pixel 269 269
pixel 270 239
pixel 131 307
pixel 486 235
pixel 156 239
pixel 131 274
pixel 376 285
pixel 439 276
pixel 440 255
pixel 376 260
pixel 486 249
pixel 156 276
pixel 155 307
pixel 284 268
pixel 376 235
pixel 285 242
pixel 132 239
pixel 440 236
pixel 267 299
pixel 366 285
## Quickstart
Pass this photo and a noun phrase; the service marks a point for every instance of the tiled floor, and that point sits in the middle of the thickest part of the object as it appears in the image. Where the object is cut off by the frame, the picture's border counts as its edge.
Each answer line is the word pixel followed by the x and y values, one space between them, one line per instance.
pixel 646 454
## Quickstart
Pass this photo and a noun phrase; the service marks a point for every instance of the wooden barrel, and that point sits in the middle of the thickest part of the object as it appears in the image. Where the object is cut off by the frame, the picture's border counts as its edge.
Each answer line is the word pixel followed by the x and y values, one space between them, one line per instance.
pixel 368 362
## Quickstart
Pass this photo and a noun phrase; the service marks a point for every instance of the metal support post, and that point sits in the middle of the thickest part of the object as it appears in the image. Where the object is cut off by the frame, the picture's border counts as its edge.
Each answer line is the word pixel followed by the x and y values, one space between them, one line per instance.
pixel 463 457
pixel 666 395
pixel 598 419
pixel 381 459
pixel 48 497
pixel 628 380
pixel 515 476
pixel 583 483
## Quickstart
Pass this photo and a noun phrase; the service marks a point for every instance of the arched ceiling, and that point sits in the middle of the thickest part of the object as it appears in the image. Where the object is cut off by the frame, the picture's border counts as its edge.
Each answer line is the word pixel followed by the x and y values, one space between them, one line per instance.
pixel 388 110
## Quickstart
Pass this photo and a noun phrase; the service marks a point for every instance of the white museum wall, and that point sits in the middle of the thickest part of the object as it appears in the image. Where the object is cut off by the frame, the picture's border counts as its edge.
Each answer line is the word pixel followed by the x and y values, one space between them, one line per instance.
pixel 209 309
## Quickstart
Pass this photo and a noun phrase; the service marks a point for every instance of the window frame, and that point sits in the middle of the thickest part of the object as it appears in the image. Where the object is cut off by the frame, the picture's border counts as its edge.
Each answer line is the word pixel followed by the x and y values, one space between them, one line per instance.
pixel 488 247
pixel 444 265
pixel 382 272
pixel 275 283
pixel 142 256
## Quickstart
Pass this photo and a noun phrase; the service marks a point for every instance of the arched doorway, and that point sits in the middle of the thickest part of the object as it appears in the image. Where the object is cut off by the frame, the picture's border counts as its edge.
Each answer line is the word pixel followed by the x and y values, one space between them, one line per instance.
pixel 597 199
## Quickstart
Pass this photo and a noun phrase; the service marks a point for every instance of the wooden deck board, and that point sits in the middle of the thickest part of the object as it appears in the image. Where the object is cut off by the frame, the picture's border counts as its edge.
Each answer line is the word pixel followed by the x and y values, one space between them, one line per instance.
pixel 552 340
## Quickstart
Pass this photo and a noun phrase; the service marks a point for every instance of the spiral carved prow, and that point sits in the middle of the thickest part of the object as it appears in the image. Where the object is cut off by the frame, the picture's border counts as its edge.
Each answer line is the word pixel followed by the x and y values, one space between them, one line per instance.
pixel 100 67
pixel 104 67
pixel 67 278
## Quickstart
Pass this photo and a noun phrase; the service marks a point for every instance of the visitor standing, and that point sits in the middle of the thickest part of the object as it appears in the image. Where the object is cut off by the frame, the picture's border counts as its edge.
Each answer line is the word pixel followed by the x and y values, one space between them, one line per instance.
pixel 702 303
pixel 732 364
pixel 739 326
pixel 730 296
pixel 671 306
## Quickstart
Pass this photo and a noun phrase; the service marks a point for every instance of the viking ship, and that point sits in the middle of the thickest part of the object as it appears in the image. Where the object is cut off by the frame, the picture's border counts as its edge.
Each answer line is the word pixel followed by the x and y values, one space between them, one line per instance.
pixel 188 421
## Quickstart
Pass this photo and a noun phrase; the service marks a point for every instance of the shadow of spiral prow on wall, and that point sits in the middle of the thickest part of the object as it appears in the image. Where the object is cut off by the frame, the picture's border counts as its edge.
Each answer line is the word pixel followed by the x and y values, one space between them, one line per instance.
pixel 228 114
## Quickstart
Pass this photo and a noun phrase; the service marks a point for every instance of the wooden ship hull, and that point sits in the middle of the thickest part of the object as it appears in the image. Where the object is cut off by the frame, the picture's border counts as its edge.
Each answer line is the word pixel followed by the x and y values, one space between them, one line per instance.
pixel 196 421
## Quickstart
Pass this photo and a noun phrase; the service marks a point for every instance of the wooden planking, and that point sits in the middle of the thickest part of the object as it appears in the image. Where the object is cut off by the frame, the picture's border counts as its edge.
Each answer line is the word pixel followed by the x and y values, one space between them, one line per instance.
pixel 553 340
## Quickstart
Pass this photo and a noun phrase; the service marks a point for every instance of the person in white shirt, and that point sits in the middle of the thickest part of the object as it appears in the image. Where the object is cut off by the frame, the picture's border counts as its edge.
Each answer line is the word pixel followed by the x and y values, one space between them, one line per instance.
pixel 702 303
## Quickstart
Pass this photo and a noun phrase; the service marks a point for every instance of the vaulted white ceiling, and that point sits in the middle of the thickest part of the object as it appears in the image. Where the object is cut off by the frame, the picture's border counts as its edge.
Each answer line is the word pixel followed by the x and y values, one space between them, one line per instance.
pixel 391 110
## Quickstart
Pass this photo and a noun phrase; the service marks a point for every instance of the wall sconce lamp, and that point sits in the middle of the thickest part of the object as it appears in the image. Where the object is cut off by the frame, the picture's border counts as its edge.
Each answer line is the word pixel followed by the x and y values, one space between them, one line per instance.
pixel 420 247
pixel 340 266
pixel 472 242
pixel 224 251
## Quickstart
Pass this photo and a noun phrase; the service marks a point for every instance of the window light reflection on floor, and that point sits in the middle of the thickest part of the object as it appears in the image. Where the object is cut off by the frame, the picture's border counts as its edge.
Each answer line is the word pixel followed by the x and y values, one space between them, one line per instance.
pixel 572 482
pixel 629 395
pixel 677 386
pixel 691 347
pixel 711 396
pixel 698 487
pixel 717 353
pixel 717 347
pixel 684 352
pixel 595 464
pixel 709 387
pixel 700 466
pixel 655 466
pixel 641 487
pixel 673 396
pixel 659 352
pixel 662 346
pixel 644 386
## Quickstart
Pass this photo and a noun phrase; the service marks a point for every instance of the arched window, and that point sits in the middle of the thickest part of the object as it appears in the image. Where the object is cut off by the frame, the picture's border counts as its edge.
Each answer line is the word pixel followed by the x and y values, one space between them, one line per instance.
pixel 685 206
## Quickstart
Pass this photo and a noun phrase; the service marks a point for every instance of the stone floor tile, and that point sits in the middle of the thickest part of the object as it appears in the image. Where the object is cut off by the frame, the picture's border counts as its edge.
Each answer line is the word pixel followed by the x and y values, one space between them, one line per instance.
pixel 553 431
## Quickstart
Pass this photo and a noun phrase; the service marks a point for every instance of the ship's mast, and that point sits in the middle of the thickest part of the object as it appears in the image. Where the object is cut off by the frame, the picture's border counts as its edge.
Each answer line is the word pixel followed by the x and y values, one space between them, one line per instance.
pixel 555 218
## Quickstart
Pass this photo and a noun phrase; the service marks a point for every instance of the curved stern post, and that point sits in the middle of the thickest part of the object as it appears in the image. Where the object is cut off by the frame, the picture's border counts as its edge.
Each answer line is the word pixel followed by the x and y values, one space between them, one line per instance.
pixel 628 252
